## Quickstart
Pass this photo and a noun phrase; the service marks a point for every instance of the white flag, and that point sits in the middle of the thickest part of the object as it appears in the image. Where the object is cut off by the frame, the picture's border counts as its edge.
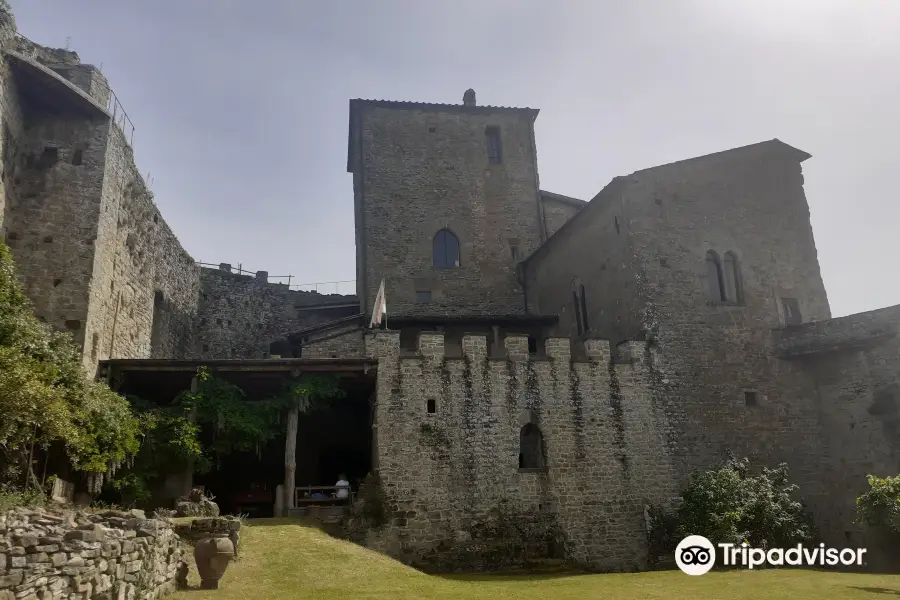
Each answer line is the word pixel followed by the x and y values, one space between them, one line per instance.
pixel 380 308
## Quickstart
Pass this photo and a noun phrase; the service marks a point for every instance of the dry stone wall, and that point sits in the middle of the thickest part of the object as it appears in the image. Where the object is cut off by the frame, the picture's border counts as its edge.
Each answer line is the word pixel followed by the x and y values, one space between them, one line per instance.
pixel 455 494
pixel 67 555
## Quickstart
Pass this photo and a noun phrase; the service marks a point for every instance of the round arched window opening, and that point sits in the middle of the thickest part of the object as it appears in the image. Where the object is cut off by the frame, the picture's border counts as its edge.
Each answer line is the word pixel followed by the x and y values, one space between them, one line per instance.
pixel 445 250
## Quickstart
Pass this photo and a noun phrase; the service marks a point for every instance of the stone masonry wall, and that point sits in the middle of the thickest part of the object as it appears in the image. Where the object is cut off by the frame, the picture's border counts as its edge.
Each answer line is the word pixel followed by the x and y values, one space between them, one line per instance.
pixel 717 377
pixel 423 169
pixel 723 388
pixel 557 212
pixel 68 65
pixel 12 120
pixel 595 251
pixel 452 479
pixel 52 213
pixel 854 362
pixel 144 289
pixel 240 315
pixel 65 555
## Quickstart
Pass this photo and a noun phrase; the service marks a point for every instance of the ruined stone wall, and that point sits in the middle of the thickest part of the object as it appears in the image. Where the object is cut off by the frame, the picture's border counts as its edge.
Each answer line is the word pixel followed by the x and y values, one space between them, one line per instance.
pixel 52 212
pixel 67 65
pixel 144 289
pixel 241 315
pixel 56 554
pixel 455 494
pixel 423 168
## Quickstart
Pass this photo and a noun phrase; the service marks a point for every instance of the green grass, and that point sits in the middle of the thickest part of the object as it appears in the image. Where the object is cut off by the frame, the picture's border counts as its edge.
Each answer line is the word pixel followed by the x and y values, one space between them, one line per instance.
pixel 283 559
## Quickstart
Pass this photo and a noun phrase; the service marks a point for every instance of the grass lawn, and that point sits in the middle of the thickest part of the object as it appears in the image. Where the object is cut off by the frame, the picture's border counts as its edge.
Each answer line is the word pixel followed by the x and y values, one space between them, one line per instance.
pixel 282 559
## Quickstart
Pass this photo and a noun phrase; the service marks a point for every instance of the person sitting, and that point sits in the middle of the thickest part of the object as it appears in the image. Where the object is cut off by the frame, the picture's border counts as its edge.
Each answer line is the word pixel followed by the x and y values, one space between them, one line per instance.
pixel 343 487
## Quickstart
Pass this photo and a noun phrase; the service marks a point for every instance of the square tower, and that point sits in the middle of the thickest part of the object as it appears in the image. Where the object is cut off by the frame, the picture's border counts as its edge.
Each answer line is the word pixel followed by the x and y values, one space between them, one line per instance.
pixel 446 204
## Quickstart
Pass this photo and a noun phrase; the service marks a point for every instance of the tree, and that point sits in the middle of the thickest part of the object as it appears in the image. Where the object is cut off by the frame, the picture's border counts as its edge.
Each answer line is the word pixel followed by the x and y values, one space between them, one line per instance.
pixel 302 395
pixel 879 507
pixel 46 397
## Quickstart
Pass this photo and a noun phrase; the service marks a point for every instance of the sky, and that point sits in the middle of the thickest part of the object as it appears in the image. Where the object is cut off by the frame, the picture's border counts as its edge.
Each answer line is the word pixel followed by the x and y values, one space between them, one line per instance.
pixel 240 109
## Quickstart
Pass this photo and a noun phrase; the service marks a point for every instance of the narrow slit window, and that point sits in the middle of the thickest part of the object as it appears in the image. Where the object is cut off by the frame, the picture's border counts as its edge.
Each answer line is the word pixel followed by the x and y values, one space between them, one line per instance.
pixel 583 306
pixel 495 153
pixel 791 311
pixel 714 277
pixel 576 304
pixel 733 291
pixel 431 406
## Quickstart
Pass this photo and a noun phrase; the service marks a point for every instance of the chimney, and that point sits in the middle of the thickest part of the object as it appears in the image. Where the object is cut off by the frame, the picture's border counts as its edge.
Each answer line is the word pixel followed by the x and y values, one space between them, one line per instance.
pixel 469 97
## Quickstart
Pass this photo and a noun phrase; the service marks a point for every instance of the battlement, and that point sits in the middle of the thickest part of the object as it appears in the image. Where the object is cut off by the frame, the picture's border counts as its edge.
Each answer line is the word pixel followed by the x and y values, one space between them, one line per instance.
pixel 430 345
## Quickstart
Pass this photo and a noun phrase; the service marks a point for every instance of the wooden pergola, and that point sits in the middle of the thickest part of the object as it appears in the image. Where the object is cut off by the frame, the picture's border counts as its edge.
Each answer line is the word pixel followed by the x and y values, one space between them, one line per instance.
pixel 161 380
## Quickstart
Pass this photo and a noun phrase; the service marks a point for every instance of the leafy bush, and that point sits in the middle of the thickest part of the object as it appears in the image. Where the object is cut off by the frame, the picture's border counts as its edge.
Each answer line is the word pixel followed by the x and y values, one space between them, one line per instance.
pixel 880 506
pixel 46 398
pixel 730 505
pixel 205 424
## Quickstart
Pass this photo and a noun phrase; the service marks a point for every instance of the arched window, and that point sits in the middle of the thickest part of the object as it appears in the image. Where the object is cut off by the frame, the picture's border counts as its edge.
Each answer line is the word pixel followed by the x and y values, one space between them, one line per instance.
pixel 714 275
pixel 733 291
pixel 445 250
pixel 531 447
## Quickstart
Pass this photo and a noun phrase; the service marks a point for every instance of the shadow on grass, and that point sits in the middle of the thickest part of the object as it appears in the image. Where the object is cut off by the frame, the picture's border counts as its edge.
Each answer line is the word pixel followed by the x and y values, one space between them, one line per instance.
pixel 524 576
pixel 876 590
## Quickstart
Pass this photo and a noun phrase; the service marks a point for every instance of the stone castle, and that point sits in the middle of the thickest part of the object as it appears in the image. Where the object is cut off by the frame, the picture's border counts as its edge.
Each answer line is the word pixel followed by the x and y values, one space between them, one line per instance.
pixel 566 363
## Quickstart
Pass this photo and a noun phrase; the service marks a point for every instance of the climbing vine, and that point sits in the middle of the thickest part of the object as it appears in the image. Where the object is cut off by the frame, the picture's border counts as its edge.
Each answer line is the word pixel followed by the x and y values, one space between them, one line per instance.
pixel 214 420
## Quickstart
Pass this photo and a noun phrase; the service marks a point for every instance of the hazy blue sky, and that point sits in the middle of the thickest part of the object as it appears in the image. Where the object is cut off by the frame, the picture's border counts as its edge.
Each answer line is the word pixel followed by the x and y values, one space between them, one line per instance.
pixel 241 107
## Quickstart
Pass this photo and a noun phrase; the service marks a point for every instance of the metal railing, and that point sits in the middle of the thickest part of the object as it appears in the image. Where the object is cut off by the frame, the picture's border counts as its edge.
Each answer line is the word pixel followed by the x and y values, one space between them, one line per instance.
pixel 113 105
pixel 346 287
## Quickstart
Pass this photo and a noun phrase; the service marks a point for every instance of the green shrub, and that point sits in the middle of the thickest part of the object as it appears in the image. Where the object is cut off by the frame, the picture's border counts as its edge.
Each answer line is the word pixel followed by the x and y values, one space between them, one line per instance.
pixel 879 507
pixel 730 505
pixel 46 398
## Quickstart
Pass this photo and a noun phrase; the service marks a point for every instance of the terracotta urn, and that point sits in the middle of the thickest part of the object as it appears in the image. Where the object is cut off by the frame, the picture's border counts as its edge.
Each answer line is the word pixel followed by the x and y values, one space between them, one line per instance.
pixel 212 555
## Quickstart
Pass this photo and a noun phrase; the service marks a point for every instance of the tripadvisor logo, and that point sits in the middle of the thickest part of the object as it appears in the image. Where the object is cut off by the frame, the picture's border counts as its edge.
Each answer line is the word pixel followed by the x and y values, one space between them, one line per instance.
pixel 696 555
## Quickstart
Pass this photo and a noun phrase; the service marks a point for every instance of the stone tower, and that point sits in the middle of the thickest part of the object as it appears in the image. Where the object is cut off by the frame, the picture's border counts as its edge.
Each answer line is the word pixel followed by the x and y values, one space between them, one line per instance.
pixel 447 202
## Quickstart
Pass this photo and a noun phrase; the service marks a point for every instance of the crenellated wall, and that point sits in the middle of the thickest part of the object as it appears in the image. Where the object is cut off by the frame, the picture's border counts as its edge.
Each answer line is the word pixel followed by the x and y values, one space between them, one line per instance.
pixel 456 494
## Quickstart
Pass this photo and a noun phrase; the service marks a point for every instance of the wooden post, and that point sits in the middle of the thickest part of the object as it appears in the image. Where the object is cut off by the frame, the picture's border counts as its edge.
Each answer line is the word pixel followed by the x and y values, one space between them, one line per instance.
pixel 187 481
pixel 290 458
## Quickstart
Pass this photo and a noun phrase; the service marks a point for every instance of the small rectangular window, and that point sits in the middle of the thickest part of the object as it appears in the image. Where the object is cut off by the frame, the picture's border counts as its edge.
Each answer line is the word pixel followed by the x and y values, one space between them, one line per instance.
pixel 791 311
pixel 750 399
pixel 495 155
pixel 423 296
pixel 77 157
pixel 430 406
pixel 532 345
